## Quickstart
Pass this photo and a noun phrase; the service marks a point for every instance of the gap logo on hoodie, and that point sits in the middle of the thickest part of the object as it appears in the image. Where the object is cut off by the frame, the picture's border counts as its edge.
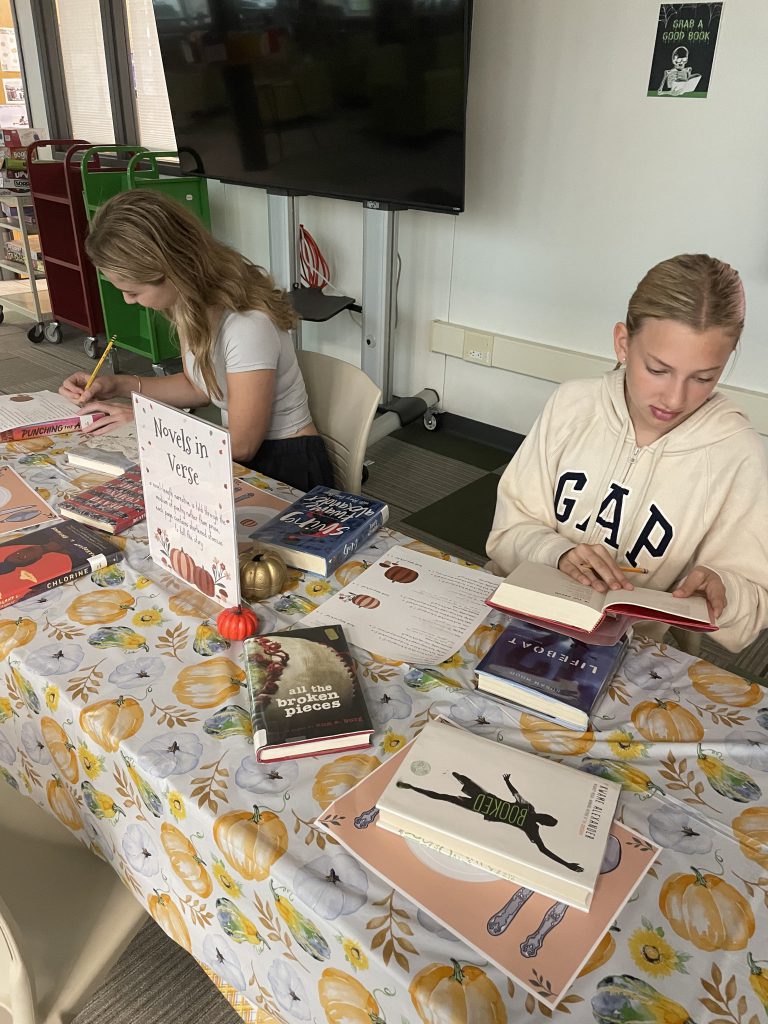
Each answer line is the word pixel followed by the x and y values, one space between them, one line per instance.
pixel 653 536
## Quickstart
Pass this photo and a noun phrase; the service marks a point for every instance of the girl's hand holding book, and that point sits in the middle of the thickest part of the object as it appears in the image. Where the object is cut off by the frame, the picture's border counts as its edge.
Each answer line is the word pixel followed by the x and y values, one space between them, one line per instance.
pixel 706 582
pixel 114 415
pixel 592 565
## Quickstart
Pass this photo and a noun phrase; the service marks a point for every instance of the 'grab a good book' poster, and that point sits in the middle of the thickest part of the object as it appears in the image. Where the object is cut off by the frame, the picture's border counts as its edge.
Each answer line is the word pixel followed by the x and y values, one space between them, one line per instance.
pixel 685 48
pixel 186 467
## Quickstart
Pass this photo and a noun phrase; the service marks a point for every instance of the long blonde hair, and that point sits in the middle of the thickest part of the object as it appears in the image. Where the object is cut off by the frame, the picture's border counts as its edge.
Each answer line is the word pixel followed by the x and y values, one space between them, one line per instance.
pixel 147 237
pixel 696 290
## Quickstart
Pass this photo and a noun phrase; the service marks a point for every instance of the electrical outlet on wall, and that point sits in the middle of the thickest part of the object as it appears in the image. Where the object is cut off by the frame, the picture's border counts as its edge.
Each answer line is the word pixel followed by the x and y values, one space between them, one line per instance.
pixel 478 347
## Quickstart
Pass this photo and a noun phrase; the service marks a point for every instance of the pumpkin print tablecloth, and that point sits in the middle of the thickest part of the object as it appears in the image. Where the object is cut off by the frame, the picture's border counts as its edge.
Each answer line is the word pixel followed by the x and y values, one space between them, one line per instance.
pixel 123 712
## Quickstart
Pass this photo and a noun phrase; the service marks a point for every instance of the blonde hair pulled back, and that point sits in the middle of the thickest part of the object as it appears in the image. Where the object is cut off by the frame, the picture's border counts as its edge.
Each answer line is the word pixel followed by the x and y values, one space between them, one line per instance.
pixel 147 237
pixel 696 290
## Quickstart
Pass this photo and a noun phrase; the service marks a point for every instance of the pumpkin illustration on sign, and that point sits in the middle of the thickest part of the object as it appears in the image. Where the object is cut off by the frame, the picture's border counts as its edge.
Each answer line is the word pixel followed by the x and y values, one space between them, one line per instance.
pixel 399 573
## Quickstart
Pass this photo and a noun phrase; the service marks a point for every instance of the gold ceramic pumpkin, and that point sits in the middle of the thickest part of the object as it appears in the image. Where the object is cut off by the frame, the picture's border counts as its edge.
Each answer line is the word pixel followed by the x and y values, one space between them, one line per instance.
pixel 262 573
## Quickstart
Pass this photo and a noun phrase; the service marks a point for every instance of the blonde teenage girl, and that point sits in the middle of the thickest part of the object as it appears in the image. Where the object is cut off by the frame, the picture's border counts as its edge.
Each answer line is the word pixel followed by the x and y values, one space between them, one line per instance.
pixel 649 466
pixel 232 324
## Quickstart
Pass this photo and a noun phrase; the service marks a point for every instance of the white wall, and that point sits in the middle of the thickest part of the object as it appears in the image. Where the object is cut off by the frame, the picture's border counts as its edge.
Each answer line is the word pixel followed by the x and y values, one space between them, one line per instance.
pixel 576 184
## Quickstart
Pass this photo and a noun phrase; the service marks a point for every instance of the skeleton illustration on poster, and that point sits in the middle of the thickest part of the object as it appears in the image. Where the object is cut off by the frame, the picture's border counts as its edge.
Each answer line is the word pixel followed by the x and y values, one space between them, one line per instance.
pixel 684 50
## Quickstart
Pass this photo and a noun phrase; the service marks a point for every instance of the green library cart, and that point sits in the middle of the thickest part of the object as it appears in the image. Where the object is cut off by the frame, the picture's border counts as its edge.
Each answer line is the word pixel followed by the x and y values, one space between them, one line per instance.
pixel 145 332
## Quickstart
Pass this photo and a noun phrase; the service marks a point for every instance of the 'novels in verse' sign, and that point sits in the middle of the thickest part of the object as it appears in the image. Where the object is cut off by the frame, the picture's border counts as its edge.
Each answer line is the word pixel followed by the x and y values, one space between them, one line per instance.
pixel 186 467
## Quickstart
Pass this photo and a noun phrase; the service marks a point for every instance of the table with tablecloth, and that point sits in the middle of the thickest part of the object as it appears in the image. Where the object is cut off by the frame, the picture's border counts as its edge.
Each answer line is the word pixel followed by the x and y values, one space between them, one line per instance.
pixel 123 712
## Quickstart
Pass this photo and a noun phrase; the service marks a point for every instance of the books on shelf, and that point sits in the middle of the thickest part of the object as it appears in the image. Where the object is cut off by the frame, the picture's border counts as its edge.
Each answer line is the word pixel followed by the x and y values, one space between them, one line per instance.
pixel 520 816
pixel 544 594
pixel 323 528
pixel 304 694
pixel 37 413
pixel 51 556
pixel 99 460
pixel 513 927
pixel 22 509
pixel 113 506
pixel 550 674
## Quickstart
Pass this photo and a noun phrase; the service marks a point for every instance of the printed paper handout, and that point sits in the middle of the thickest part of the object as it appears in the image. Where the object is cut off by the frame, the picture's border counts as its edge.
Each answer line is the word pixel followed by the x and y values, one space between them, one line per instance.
pixel 21 507
pixel 410 607
pixel 186 468
pixel 526 935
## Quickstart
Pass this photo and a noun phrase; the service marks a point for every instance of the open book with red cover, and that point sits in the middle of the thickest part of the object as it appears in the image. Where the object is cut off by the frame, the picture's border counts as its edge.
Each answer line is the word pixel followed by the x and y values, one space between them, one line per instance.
pixel 542 593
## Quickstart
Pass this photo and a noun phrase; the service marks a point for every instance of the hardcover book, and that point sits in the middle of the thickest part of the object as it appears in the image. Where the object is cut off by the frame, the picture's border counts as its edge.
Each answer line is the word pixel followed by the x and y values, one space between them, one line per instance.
pixel 537 942
pixel 304 694
pixel 52 556
pixel 322 529
pixel 548 673
pixel 113 506
pixel 544 594
pixel 520 816
pixel 37 413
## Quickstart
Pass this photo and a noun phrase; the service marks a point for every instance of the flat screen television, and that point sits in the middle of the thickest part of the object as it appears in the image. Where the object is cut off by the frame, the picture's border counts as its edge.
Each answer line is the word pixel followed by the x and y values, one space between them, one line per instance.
pixel 354 99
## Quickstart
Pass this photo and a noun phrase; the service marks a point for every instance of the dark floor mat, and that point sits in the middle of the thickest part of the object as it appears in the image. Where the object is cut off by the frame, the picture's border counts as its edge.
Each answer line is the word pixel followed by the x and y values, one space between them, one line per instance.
pixel 463 518
pixel 442 442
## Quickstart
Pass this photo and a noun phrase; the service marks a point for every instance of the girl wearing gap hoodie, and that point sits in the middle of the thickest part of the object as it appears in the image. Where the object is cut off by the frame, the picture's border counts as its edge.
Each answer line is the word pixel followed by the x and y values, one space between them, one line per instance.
pixel 648 466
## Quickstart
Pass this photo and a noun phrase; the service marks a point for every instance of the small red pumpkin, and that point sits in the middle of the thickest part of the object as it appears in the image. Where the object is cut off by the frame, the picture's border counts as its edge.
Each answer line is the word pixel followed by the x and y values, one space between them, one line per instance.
pixel 204 581
pixel 237 623
pixel 183 564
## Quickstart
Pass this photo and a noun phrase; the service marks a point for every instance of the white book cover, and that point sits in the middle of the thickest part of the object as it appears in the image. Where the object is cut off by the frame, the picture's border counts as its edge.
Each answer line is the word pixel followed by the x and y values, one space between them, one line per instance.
pixel 186 467
pixel 524 817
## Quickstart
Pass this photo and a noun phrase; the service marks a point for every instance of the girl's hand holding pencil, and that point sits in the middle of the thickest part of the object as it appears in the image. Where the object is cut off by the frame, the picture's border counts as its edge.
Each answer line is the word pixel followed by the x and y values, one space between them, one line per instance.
pixel 593 565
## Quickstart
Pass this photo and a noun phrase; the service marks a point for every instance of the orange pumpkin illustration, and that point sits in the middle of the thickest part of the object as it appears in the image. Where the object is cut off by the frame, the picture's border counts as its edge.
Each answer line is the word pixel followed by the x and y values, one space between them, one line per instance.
pixel 364 601
pixel 724 687
pixel 337 777
pixel 60 749
pixel 168 916
pixel 185 860
pixel 345 1000
pixel 483 639
pixel 349 571
pixel 600 955
pixel 204 581
pixel 665 721
pixel 15 633
pixel 109 722
pixel 189 602
pixel 456 994
pixel 62 804
pixel 751 830
pixel 209 683
pixel 707 911
pixel 31 445
pixel 251 841
pixel 183 564
pixel 551 738
pixel 401 574
pixel 100 606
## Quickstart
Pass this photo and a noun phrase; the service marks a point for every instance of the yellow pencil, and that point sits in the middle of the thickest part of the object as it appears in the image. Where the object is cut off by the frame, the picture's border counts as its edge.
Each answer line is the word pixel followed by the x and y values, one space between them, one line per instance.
pixel 631 568
pixel 100 363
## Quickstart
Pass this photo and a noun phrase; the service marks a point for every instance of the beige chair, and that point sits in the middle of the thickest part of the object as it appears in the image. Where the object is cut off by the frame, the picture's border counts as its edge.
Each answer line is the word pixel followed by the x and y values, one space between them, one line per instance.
pixel 343 401
pixel 65 916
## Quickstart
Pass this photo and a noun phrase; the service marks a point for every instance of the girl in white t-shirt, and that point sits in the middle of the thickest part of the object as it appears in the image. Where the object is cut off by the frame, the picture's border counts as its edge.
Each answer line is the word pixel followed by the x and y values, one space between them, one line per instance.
pixel 232 323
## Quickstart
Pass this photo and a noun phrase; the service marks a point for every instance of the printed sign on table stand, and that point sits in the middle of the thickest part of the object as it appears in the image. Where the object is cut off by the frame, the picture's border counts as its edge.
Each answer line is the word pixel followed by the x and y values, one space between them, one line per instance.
pixel 186 467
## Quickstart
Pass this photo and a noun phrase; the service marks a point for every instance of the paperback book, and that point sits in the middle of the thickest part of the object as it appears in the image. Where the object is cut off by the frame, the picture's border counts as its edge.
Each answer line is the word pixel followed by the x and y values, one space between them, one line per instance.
pixel 99 460
pixel 527 936
pixel 518 815
pixel 542 671
pixel 22 509
pixel 52 556
pixel 544 594
pixel 38 413
pixel 113 506
pixel 304 694
pixel 323 528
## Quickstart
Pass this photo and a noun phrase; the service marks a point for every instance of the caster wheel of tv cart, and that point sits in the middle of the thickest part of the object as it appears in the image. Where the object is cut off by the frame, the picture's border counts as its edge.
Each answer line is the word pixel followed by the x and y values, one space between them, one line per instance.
pixel 35 334
pixel 91 347
pixel 2 314
pixel 52 332
pixel 431 421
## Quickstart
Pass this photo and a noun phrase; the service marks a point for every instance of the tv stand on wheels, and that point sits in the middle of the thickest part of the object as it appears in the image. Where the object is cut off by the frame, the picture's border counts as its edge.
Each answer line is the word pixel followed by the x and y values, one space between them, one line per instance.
pixel 380 227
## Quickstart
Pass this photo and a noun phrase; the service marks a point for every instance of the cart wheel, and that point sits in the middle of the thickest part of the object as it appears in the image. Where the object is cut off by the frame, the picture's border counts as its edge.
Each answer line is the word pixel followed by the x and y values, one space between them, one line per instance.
pixel 2 314
pixel 431 421
pixel 52 332
pixel 35 334
pixel 91 347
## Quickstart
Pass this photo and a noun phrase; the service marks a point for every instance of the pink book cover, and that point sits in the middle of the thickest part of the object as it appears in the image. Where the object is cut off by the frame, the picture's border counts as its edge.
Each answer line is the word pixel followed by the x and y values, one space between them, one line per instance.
pixel 542 945
pixel 21 508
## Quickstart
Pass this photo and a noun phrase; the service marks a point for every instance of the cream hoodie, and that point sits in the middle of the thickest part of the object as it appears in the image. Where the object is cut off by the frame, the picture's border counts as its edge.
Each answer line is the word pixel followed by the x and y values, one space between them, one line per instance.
pixel 697 496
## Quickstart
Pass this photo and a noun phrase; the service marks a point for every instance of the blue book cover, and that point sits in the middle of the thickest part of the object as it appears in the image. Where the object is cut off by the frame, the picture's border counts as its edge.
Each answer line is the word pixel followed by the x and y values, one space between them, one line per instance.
pixel 548 673
pixel 322 529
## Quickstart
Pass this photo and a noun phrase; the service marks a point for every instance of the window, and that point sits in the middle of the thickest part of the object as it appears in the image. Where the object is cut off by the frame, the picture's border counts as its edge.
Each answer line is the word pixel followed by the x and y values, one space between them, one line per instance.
pixel 110 72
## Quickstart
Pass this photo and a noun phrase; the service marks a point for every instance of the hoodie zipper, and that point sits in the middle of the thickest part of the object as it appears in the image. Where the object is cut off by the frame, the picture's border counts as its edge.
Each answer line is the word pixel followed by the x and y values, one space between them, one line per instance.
pixel 632 460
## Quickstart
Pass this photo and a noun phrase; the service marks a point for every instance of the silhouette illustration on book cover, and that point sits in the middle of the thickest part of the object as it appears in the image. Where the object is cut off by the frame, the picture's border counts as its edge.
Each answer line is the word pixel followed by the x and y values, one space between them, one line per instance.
pixel 518 813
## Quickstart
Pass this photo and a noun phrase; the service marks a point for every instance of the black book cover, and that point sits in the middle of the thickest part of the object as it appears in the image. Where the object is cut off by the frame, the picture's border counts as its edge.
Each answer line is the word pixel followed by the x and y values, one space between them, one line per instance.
pixel 304 692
